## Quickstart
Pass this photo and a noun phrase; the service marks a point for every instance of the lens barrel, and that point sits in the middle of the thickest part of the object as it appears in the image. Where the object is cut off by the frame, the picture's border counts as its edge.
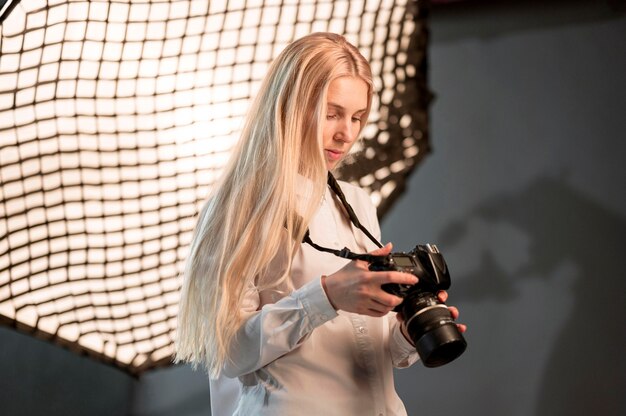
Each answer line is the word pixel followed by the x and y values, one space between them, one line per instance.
pixel 430 325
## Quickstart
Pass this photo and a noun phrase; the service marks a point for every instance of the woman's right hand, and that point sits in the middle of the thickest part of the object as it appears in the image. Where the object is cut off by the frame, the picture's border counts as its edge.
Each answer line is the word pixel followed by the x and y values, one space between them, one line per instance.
pixel 355 288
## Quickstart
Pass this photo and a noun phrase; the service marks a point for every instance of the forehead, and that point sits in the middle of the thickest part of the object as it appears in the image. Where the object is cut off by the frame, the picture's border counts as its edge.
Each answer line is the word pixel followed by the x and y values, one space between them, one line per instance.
pixel 348 93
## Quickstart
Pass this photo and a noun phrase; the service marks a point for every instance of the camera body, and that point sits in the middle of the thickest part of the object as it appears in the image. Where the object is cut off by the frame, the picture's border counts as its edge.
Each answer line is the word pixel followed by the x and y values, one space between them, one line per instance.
pixel 426 319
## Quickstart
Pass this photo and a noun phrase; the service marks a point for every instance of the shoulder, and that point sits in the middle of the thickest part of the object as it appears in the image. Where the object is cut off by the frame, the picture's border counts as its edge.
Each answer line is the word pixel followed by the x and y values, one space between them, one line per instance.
pixel 357 196
pixel 363 206
pixel 354 193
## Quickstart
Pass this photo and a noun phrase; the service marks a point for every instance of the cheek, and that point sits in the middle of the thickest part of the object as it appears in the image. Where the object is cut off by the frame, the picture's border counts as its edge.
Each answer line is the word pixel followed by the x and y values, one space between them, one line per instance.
pixel 351 145
pixel 327 133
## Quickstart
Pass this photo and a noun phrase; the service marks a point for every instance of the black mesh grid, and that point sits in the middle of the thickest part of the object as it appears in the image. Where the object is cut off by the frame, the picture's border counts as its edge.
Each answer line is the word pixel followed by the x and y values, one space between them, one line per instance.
pixel 115 119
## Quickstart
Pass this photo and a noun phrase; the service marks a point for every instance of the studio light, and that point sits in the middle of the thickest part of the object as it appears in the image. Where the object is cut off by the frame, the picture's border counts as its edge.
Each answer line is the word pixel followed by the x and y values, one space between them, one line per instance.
pixel 116 118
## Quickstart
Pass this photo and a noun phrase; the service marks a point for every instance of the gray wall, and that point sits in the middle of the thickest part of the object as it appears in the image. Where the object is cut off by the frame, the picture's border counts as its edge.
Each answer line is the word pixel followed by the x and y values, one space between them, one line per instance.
pixel 38 378
pixel 524 194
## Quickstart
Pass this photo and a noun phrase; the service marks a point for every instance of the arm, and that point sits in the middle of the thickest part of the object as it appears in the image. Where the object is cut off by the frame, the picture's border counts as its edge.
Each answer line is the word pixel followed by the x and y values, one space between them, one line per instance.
pixel 277 328
pixel 403 353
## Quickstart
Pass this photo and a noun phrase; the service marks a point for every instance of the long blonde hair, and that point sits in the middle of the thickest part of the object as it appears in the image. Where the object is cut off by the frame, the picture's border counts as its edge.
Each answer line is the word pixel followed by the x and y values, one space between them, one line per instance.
pixel 243 225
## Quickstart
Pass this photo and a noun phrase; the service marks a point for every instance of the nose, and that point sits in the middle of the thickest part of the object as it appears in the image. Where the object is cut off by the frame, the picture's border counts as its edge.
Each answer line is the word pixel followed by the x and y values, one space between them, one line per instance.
pixel 344 131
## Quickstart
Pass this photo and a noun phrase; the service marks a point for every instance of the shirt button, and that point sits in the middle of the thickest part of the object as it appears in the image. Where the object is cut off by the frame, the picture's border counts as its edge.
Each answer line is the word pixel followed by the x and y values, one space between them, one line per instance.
pixel 362 330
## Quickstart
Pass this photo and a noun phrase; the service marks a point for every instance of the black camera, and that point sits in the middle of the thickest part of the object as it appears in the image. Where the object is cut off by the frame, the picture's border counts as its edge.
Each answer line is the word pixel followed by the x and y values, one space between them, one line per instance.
pixel 427 320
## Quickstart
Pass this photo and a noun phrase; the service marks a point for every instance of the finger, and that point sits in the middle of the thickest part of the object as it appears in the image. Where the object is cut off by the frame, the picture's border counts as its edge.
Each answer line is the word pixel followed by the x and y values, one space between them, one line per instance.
pixel 375 309
pixel 376 313
pixel 383 251
pixel 361 264
pixel 379 308
pixel 454 312
pixel 387 300
pixel 462 327
pixel 442 295
pixel 380 278
pixel 400 317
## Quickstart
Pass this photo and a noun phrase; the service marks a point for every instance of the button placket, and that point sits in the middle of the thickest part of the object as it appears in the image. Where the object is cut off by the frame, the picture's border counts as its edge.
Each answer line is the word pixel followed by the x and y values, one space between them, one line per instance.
pixel 368 361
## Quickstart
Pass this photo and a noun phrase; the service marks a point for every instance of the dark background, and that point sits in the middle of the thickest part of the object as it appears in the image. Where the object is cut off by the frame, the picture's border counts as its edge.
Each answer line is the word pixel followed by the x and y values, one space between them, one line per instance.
pixel 524 194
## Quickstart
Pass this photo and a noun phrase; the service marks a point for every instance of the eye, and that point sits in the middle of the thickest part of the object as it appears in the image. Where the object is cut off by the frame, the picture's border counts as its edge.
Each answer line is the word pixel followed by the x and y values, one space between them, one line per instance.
pixel 356 119
pixel 331 116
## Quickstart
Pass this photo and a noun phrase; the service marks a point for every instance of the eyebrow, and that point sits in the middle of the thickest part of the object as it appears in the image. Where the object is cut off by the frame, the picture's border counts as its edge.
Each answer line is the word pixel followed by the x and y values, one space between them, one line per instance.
pixel 340 107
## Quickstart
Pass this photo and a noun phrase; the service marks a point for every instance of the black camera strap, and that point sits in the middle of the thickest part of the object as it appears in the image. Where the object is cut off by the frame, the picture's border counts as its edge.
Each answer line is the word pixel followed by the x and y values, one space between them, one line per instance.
pixel 334 186
pixel 344 252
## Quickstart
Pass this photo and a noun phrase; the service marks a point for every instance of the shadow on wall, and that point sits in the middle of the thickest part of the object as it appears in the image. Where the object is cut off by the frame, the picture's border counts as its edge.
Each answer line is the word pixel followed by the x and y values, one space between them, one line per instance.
pixel 586 370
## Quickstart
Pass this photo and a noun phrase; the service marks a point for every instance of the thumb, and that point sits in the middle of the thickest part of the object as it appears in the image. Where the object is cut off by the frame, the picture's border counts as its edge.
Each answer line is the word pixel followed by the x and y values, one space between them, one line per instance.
pixel 383 251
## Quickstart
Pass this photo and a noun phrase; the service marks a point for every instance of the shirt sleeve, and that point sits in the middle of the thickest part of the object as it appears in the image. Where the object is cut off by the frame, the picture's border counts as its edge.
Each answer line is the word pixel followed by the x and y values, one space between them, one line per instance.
pixel 277 328
pixel 403 353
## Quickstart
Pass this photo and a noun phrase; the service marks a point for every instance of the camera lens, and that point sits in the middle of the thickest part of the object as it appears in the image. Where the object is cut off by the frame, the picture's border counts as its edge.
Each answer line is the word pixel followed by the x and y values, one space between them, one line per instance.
pixel 433 331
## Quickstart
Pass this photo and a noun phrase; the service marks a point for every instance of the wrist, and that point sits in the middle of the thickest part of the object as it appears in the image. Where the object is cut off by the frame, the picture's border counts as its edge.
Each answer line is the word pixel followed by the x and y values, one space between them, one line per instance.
pixel 325 287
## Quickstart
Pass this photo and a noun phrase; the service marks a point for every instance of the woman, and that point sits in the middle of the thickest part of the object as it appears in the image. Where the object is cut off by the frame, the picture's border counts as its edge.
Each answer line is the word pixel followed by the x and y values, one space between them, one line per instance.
pixel 282 328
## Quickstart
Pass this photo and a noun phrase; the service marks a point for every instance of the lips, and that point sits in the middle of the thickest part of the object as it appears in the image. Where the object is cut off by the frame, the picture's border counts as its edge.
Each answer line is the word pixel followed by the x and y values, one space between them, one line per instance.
pixel 333 155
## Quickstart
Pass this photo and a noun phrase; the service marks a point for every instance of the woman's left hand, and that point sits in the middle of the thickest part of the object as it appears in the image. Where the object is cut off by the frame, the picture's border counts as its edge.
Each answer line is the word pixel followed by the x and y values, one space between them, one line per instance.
pixel 443 296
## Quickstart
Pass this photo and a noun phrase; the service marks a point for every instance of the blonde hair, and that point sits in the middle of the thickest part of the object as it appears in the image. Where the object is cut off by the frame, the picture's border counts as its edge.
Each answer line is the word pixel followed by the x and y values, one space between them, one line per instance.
pixel 243 225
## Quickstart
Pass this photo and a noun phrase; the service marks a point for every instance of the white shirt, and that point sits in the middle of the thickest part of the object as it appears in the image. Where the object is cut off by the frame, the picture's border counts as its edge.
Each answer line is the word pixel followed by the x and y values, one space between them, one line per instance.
pixel 296 355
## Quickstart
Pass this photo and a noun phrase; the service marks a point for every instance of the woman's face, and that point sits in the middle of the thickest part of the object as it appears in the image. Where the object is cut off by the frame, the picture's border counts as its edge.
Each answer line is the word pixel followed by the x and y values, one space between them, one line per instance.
pixel 346 105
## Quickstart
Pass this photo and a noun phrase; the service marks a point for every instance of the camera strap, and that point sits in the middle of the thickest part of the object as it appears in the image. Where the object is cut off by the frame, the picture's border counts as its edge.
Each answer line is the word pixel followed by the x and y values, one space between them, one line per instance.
pixel 344 252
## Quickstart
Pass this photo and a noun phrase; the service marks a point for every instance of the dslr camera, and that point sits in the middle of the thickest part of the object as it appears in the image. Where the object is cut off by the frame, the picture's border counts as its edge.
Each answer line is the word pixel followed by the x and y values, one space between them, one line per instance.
pixel 427 320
